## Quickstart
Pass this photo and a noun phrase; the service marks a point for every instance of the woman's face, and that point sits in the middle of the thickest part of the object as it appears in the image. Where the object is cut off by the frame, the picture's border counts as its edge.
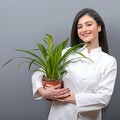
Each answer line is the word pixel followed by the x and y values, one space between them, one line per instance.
pixel 88 29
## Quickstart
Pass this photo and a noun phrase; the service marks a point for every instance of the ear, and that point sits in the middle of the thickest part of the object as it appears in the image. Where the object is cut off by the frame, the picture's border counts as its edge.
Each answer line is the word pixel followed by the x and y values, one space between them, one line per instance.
pixel 99 28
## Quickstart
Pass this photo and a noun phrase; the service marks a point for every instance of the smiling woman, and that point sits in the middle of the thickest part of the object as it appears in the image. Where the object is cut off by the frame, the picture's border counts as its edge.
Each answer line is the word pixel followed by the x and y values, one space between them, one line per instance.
pixel 88 31
pixel 88 86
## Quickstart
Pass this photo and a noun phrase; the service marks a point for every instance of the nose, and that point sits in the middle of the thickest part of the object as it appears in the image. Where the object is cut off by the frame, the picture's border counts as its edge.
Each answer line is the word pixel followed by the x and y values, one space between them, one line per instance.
pixel 84 28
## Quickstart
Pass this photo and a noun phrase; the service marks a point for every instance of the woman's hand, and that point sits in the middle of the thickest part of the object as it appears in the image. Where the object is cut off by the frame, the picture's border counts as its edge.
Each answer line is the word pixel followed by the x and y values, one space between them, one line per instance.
pixel 69 99
pixel 54 92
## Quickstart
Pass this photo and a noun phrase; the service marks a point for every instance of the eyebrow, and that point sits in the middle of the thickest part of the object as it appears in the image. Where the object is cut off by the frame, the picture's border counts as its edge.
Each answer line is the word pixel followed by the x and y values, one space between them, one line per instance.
pixel 86 22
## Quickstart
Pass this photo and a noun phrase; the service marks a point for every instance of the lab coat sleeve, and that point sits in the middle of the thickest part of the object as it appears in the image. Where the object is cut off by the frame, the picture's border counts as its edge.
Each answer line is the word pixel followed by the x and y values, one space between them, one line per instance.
pixel 101 95
pixel 36 83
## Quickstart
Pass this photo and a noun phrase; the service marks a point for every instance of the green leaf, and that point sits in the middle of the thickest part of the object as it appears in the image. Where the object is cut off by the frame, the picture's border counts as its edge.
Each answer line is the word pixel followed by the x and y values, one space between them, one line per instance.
pixel 8 61
pixel 48 39
pixel 42 49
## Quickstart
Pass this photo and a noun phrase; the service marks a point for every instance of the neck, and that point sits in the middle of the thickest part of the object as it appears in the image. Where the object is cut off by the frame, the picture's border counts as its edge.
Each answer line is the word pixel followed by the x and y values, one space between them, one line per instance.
pixel 91 46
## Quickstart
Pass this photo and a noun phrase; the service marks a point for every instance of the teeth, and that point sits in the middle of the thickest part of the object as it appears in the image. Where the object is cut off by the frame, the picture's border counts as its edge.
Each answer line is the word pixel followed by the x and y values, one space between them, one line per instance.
pixel 85 35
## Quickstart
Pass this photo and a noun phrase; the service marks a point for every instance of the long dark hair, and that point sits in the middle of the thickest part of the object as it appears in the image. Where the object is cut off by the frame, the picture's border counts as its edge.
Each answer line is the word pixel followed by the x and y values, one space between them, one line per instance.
pixel 102 34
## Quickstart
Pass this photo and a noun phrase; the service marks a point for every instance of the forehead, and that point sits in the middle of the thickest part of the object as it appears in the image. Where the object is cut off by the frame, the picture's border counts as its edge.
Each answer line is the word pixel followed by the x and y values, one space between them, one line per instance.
pixel 85 18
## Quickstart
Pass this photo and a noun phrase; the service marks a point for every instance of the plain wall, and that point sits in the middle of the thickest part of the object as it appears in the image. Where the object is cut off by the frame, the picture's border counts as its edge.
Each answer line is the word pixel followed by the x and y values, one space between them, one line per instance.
pixel 23 23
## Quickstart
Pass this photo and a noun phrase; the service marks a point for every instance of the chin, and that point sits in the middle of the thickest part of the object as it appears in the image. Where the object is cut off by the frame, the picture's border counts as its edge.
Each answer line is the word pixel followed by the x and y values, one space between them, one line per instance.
pixel 87 42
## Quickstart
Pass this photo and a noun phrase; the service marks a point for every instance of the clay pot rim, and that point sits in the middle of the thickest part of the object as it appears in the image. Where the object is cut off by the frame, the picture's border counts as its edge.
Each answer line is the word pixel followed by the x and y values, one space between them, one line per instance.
pixel 51 80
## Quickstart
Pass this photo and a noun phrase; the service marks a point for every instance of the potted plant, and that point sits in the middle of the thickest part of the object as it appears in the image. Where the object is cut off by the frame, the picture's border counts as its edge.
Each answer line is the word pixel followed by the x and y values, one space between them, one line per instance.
pixel 51 61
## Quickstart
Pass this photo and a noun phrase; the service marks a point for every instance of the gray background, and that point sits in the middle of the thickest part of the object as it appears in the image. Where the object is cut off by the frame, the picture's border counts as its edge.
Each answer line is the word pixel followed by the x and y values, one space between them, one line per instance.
pixel 22 24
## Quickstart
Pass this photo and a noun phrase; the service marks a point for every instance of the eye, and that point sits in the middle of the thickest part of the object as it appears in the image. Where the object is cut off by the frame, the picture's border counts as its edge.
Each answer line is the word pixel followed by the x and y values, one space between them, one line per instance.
pixel 89 24
pixel 79 27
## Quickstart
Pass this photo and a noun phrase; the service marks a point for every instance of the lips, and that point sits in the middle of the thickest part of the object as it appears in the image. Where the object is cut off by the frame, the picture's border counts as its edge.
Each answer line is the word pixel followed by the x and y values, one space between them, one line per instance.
pixel 85 34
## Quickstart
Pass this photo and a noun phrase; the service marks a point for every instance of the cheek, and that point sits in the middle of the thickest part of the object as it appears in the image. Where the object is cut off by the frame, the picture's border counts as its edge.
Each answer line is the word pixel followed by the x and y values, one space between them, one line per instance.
pixel 79 33
pixel 95 32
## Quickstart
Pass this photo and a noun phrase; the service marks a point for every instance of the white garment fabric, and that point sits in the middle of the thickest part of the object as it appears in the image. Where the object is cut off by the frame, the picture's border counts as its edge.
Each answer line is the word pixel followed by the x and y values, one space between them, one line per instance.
pixel 92 82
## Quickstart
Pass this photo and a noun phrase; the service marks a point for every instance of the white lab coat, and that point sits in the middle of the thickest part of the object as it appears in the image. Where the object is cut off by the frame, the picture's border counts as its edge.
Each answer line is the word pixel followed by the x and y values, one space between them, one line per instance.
pixel 92 83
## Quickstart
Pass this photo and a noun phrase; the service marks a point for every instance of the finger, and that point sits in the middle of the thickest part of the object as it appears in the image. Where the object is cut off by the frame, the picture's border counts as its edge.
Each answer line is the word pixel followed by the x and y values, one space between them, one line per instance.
pixel 63 91
pixel 48 85
pixel 63 96
pixel 60 93
pixel 62 100
pixel 57 86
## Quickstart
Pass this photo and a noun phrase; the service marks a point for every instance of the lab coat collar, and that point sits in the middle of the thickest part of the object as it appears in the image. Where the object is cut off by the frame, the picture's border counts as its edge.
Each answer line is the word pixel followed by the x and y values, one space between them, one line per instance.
pixel 94 50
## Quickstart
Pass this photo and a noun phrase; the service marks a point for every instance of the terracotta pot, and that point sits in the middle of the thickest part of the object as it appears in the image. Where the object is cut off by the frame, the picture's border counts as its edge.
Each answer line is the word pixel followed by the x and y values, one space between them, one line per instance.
pixel 54 83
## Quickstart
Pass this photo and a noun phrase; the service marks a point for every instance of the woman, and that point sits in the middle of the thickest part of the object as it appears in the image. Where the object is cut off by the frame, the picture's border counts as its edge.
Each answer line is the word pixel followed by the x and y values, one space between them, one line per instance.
pixel 88 86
